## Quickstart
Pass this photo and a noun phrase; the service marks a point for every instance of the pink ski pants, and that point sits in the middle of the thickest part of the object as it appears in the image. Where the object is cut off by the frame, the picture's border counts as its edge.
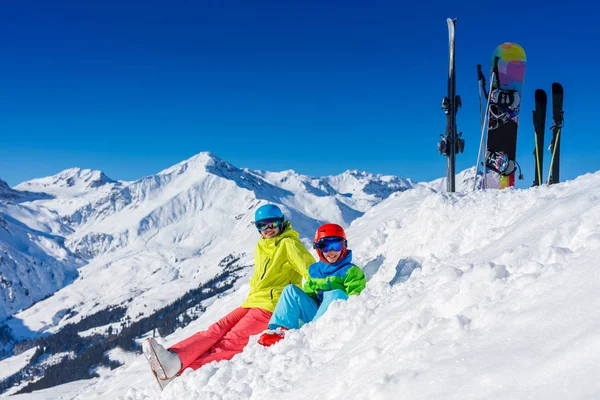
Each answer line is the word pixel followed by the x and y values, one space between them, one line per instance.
pixel 223 339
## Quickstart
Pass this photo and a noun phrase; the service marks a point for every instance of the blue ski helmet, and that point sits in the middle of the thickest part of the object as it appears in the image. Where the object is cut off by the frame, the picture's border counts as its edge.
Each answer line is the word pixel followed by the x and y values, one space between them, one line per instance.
pixel 268 211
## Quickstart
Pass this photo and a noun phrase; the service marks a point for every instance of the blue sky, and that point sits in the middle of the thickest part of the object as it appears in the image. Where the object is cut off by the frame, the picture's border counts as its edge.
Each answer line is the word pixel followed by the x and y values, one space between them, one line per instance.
pixel 320 87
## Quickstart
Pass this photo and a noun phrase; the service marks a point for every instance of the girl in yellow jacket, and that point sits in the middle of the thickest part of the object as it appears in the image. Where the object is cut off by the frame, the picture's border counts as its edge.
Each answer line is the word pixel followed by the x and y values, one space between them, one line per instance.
pixel 280 259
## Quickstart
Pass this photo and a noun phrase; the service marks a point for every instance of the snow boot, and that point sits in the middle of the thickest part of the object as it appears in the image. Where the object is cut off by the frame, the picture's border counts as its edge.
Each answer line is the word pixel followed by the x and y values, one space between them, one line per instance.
pixel 165 364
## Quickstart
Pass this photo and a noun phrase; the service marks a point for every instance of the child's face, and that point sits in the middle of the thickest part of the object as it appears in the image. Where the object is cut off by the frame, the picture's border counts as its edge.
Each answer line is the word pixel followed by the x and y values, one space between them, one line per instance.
pixel 332 256
pixel 331 248
pixel 270 233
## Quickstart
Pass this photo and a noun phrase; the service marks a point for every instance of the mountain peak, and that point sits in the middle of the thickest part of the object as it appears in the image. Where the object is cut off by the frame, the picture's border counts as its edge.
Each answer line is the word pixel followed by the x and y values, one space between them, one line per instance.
pixel 3 185
pixel 91 177
pixel 71 180
pixel 204 157
pixel 200 161
pixel 5 190
pixel 355 173
pixel 378 185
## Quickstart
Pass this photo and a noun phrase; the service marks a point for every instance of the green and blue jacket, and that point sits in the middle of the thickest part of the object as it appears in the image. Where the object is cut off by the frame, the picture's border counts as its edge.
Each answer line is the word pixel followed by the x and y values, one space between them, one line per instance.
pixel 341 275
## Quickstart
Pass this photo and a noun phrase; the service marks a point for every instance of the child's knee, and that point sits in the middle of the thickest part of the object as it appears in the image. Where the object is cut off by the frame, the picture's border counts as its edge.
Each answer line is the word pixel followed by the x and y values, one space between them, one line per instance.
pixel 338 294
pixel 290 290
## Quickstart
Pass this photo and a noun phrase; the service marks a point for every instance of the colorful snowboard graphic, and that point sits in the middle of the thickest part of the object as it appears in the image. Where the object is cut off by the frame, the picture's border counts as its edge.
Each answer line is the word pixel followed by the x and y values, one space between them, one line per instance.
pixel 505 106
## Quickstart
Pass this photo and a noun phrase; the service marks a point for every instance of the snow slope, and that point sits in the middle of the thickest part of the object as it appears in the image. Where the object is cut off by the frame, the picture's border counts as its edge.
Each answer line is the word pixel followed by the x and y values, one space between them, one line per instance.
pixel 15 363
pixel 471 295
pixel 34 261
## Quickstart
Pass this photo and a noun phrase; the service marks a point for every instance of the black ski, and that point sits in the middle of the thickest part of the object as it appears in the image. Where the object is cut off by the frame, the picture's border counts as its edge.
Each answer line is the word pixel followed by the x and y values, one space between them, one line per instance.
pixel 539 126
pixel 557 124
pixel 451 143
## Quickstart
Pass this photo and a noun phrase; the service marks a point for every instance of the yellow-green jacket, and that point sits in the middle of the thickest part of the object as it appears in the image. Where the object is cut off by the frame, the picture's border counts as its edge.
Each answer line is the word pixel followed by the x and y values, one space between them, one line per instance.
pixel 278 262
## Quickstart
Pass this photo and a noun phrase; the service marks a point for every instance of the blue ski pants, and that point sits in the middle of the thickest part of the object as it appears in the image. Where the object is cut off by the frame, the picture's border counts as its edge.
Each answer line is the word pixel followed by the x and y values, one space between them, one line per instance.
pixel 295 307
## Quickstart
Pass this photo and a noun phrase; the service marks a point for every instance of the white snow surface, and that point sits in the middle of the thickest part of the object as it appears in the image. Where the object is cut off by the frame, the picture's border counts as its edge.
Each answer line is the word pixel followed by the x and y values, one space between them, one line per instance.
pixel 484 295
pixel 13 364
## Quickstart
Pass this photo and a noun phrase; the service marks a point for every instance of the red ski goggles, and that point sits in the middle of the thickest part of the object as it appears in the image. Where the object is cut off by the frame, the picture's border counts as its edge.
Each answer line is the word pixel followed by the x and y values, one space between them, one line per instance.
pixel 328 244
pixel 268 224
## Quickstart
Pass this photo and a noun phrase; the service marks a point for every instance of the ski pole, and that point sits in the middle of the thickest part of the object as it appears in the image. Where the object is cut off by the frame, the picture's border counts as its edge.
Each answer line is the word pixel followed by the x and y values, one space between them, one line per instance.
pixel 482 145
pixel 554 147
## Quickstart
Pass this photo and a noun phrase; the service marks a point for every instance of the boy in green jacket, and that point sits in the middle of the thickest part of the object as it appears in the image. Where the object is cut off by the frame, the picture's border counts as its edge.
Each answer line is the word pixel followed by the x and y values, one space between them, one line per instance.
pixel 334 277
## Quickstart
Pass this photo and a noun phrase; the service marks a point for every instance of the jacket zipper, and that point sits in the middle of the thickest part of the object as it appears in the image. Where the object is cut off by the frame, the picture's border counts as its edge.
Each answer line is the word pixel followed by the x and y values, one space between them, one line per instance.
pixel 265 271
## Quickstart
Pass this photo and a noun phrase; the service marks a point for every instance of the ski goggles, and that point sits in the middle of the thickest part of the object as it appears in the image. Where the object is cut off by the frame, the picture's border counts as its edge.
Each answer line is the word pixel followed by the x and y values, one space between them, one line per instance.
pixel 328 244
pixel 268 224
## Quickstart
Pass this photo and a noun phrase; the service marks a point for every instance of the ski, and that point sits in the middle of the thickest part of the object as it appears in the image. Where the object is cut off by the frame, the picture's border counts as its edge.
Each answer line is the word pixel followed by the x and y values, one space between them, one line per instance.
pixel 508 71
pixel 539 127
pixel 451 143
pixel 557 124
pixel 483 116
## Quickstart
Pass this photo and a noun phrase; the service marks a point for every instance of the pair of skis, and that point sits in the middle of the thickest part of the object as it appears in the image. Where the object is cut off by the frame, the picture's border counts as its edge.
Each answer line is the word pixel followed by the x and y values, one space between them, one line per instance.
pixel 452 143
pixel 539 125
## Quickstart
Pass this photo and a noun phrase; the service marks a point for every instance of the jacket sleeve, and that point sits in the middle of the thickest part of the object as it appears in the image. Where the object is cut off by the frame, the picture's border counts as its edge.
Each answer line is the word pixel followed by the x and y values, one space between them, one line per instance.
pixel 310 288
pixel 299 257
pixel 355 281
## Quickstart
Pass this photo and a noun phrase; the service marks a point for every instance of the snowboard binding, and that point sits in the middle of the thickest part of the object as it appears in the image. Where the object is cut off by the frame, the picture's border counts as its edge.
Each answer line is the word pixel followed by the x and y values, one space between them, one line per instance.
pixel 500 163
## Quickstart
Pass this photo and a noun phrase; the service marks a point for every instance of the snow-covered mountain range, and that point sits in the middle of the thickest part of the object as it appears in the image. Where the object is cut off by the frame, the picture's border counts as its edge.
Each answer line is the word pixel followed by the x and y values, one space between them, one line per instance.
pixel 171 228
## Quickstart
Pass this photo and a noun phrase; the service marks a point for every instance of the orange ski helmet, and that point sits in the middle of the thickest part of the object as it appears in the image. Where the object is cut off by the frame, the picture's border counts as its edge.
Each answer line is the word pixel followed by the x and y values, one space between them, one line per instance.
pixel 329 231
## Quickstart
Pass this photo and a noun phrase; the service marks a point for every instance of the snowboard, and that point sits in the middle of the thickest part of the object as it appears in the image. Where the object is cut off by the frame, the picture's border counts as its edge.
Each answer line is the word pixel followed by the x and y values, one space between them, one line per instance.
pixel 508 73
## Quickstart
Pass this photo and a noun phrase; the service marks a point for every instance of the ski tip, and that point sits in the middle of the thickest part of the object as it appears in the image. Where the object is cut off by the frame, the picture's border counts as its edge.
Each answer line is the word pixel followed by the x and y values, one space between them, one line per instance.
pixel 557 87
pixel 540 95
